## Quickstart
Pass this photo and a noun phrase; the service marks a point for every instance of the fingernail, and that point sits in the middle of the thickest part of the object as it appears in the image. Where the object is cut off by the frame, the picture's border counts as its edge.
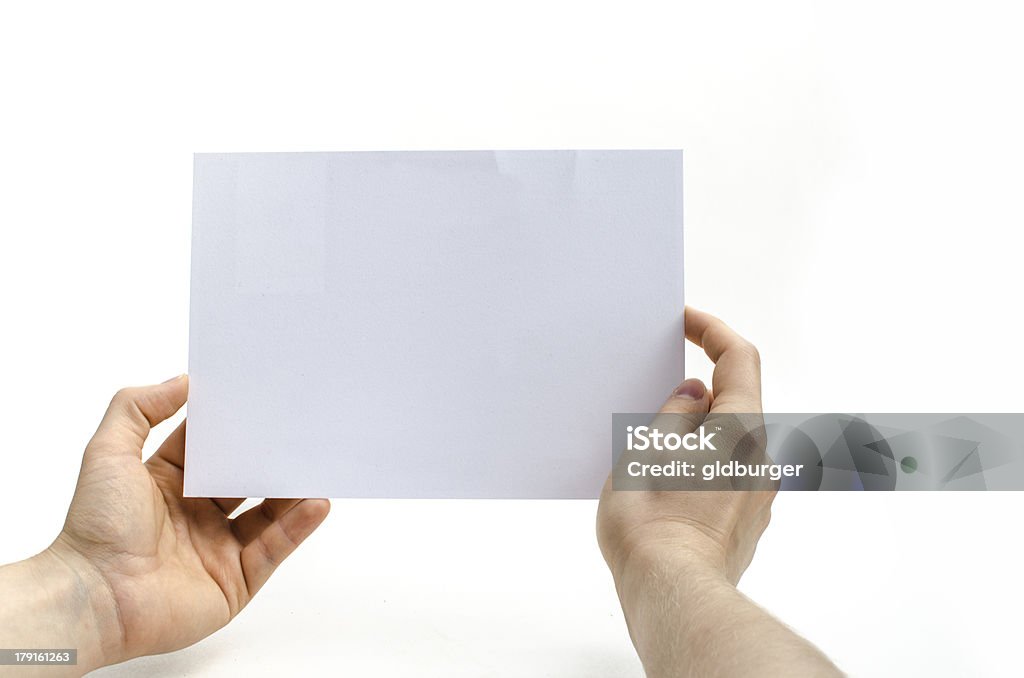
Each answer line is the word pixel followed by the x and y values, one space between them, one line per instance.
pixel 174 378
pixel 691 389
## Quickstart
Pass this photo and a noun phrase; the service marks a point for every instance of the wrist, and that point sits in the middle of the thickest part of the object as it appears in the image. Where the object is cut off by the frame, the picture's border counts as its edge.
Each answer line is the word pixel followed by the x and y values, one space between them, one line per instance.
pixel 687 565
pixel 665 550
pixel 682 610
pixel 47 604
pixel 666 591
pixel 87 611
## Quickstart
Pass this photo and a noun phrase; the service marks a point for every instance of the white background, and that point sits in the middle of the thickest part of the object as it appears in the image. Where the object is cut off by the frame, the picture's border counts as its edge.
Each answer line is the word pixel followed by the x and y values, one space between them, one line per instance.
pixel 853 206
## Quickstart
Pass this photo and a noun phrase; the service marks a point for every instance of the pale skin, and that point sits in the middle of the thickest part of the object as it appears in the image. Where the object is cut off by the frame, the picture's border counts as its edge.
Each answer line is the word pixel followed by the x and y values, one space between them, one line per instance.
pixel 676 556
pixel 139 569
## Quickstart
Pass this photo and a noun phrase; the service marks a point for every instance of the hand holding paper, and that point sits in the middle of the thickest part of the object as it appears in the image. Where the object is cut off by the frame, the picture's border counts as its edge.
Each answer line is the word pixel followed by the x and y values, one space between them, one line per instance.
pixel 138 569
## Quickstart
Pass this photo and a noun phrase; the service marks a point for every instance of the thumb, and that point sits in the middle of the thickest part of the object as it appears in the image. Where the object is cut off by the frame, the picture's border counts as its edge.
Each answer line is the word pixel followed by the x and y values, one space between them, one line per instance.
pixel 690 397
pixel 134 411
pixel 691 400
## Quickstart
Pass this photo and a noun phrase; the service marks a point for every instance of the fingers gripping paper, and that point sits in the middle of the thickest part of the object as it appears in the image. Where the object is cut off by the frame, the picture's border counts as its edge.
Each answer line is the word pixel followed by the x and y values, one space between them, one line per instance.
pixel 428 324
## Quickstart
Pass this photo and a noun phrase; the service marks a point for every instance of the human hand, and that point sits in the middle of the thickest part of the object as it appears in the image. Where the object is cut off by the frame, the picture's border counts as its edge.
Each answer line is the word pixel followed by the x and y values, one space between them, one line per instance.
pixel 716 531
pixel 154 571
pixel 676 555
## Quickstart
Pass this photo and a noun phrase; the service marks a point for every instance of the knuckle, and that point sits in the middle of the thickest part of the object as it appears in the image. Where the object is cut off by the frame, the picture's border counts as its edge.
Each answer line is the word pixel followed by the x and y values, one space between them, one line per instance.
pixel 291 539
pixel 123 396
pixel 267 553
pixel 750 351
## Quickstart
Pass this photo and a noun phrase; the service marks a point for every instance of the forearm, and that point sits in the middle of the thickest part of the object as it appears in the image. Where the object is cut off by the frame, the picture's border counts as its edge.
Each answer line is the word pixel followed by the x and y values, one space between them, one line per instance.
pixel 686 620
pixel 50 604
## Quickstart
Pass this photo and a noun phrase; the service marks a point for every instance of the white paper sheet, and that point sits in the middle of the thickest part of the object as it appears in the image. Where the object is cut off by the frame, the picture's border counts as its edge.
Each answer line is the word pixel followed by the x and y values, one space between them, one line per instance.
pixel 428 324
